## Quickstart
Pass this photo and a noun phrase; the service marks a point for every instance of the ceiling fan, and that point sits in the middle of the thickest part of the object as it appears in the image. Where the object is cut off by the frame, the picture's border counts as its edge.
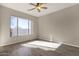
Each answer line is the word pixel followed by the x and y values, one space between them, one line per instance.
pixel 38 6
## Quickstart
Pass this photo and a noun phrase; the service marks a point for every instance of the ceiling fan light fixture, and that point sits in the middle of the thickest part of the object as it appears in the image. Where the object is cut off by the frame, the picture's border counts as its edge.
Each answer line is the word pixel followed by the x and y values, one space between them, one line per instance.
pixel 38 6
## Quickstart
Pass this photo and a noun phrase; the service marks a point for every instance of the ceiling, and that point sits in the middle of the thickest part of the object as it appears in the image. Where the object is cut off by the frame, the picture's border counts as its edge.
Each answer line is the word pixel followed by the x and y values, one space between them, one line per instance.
pixel 23 7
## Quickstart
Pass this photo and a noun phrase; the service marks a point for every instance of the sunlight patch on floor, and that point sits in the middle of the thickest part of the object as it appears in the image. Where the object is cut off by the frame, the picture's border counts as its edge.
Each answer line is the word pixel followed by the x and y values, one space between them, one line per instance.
pixel 43 45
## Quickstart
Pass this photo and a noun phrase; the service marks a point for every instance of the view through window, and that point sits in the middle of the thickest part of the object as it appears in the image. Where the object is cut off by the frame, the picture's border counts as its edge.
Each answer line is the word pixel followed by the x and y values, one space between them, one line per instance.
pixel 20 26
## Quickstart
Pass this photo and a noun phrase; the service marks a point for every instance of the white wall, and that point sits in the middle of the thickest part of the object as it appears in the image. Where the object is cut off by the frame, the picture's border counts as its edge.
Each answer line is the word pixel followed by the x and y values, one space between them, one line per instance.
pixel 61 26
pixel 5 26
pixel 0 24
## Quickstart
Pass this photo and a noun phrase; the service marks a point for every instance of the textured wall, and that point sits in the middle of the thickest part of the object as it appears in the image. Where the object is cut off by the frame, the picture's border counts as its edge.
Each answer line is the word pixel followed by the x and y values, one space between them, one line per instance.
pixel 0 24
pixel 61 26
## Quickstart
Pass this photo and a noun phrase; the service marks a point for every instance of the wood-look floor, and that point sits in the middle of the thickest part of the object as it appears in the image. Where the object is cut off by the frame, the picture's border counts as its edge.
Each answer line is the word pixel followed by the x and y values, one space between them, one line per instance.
pixel 19 50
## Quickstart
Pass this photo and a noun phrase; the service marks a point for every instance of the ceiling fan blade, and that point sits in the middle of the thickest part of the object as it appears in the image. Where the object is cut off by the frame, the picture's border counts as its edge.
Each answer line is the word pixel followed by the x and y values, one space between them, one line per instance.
pixel 38 10
pixel 44 7
pixel 31 9
pixel 32 4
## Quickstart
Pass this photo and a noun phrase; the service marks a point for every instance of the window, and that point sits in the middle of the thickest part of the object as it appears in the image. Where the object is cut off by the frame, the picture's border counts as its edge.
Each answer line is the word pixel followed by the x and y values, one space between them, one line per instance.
pixel 13 28
pixel 20 26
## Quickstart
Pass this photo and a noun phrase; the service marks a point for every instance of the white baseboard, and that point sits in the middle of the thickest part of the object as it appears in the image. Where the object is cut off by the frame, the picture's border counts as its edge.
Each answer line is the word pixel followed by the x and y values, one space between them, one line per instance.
pixel 71 45
pixel 65 43
pixel 14 42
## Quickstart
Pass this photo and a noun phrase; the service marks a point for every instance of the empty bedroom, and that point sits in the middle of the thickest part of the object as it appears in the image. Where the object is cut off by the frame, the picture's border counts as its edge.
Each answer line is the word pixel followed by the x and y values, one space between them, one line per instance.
pixel 39 29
